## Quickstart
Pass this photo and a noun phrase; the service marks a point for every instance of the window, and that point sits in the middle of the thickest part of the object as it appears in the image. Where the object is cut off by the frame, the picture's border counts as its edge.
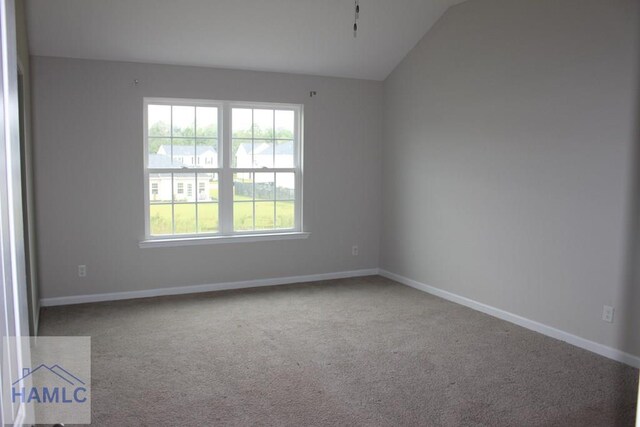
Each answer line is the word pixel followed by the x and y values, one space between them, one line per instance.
pixel 250 181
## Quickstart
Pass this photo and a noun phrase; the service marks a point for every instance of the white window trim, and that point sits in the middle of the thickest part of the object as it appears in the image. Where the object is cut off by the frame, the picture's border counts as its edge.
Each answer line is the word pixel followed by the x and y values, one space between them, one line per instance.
pixel 225 175
pixel 216 239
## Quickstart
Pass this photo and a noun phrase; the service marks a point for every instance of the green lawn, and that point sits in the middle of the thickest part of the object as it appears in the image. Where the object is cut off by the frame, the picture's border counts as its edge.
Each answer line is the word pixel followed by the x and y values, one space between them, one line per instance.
pixel 243 220
pixel 264 215
pixel 185 218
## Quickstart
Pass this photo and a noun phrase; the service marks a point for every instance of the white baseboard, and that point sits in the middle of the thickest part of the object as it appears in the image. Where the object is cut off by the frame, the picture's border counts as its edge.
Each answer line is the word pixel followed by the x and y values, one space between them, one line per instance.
pixel 550 331
pixel 114 296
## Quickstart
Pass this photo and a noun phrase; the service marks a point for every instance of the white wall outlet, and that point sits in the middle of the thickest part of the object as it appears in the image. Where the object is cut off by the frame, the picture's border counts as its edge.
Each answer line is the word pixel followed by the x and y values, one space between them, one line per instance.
pixel 82 271
pixel 607 314
pixel 355 250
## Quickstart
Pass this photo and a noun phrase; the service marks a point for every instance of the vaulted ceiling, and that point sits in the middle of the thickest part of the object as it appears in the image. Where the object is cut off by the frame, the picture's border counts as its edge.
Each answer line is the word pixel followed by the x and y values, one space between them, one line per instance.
pixel 294 36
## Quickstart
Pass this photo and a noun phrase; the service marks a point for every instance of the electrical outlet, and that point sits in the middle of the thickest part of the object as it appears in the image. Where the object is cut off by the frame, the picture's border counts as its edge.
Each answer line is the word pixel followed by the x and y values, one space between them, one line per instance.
pixel 607 314
pixel 82 271
pixel 355 250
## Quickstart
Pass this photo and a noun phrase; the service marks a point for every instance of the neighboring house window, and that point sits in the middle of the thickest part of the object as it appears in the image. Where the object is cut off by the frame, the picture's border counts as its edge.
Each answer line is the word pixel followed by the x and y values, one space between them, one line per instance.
pixel 256 187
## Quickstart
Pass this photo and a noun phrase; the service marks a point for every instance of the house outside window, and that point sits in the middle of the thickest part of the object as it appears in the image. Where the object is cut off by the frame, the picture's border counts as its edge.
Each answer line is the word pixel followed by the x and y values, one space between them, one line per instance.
pixel 244 159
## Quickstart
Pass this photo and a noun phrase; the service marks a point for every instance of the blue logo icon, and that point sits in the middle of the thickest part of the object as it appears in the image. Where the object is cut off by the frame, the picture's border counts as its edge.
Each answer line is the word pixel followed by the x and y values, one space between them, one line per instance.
pixel 61 386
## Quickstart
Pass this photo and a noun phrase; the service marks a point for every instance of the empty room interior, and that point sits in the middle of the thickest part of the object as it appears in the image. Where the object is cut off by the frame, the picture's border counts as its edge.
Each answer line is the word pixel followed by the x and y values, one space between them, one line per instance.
pixel 320 213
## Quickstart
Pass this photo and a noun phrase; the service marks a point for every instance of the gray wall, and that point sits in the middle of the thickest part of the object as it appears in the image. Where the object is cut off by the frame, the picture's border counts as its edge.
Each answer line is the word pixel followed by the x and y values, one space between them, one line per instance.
pixel 508 160
pixel 89 177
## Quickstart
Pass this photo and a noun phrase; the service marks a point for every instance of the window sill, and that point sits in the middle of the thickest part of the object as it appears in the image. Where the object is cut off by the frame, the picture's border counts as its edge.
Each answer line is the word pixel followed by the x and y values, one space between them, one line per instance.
pixel 213 240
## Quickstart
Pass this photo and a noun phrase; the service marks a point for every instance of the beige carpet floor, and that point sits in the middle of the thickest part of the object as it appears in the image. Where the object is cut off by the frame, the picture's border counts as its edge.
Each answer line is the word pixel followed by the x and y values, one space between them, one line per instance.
pixel 356 352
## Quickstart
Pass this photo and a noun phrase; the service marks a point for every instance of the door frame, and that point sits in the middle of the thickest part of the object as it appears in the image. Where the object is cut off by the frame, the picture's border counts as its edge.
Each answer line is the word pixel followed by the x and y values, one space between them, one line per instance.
pixel 13 279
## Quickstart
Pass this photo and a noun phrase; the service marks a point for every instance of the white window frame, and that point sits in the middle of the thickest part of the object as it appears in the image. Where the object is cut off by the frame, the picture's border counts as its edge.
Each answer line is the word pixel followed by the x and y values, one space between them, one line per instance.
pixel 225 177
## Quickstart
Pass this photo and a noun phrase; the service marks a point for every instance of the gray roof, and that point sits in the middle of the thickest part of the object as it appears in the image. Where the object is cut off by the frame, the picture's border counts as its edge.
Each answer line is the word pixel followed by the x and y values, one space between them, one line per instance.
pixel 281 148
pixel 246 146
pixel 187 150
pixel 160 161
pixel 284 148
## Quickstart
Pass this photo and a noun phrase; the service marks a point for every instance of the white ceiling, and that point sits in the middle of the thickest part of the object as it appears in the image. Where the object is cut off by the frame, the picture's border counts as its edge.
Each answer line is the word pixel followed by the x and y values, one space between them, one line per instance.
pixel 295 36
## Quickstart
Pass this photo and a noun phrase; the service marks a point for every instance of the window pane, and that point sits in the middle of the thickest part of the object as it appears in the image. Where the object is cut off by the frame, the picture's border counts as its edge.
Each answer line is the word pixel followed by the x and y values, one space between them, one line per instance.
pixel 207 122
pixel 242 216
pixel 263 153
pixel 185 217
pixel 184 185
pixel 242 152
pixel 241 119
pixel 285 186
pixel 184 152
pixel 263 123
pixel 160 220
pixel 184 120
pixel 159 153
pixel 242 186
pixel 159 187
pixel 264 215
pixel 284 154
pixel 284 124
pixel 285 215
pixel 207 153
pixel 264 185
pixel 187 139
pixel 159 120
pixel 207 218
pixel 208 187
